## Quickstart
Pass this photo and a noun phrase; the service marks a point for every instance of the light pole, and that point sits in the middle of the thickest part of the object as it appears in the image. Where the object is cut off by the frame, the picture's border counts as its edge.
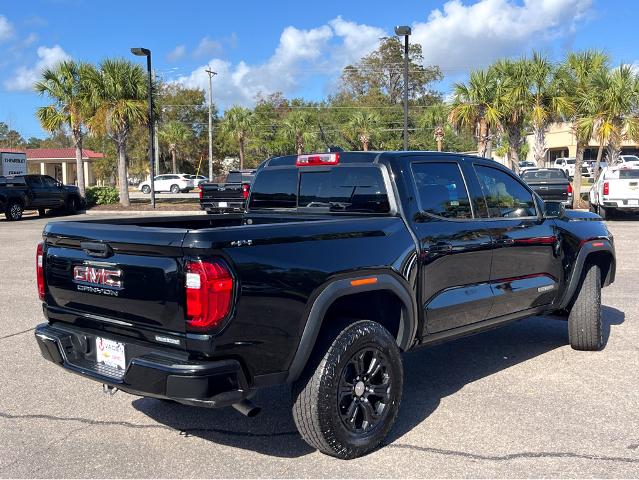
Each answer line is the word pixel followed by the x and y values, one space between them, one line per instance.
pixel 145 52
pixel 405 31
pixel 211 73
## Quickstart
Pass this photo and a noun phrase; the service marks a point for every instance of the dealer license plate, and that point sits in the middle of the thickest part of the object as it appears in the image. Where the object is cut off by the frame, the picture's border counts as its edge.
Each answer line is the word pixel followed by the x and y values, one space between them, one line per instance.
pixel 110 353
pixel 222 204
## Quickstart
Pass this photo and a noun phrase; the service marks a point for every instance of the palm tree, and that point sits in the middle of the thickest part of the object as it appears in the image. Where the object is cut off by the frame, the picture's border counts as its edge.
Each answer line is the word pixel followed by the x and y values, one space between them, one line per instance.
pixel 434 119
pixel 70 109
pixel 474 107
pixel 513 102
pixel 296 129
pixel 238 123
pixel 577 75
pixel 549 102
pixel 175 134
pixel 612 102
pixel 118 90
pixel 365 126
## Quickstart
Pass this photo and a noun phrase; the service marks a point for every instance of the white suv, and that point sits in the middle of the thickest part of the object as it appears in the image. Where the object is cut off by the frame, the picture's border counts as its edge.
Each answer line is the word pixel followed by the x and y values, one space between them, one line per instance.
pixel 174 183
pixel 567 165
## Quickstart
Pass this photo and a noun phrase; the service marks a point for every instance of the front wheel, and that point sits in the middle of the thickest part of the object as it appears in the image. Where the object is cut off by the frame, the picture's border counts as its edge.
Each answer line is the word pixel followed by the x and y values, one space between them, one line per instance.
pixel 585 330
pixel 345 405
pixel 73 206
pixel 14 211
pixel 146 189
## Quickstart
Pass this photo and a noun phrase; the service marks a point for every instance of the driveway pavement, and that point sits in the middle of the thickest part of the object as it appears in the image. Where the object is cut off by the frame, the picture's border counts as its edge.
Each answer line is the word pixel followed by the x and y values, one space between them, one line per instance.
pixel 512 402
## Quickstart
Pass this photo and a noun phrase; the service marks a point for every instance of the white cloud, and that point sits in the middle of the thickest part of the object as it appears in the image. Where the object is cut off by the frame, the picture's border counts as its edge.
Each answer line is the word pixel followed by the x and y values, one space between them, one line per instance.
pixel 6 29
pixel 208 47
pixel 25 77
pixel 458 38
pixel 176 54
pixel 462 37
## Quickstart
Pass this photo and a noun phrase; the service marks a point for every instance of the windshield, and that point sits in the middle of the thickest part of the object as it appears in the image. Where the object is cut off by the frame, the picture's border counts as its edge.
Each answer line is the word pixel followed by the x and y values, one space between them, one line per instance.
pixel 620 173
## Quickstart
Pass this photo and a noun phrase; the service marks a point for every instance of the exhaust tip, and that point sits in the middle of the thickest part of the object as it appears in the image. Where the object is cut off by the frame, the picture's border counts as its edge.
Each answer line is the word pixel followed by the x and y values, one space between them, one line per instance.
pixel 247 408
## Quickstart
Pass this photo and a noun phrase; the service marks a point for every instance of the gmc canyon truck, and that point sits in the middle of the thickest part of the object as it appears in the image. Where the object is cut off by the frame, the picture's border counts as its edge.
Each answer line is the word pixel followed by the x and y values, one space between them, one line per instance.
pixel 341 262
pixel 37 192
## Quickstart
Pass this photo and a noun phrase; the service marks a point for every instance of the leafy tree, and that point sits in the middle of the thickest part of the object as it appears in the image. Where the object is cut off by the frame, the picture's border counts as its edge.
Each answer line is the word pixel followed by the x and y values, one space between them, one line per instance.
pixel 176 135
pixel 118 91
pixel 66 85
pixel 475 107
pixel 382 73
pixel 364 126
pixel 238 123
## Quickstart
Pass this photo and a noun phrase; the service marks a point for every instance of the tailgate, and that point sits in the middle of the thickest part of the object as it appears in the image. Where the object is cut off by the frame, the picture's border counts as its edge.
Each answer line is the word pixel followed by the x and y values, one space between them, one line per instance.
pixel 122 274
pixel 222 193
pixel 551 191
pixel 626 189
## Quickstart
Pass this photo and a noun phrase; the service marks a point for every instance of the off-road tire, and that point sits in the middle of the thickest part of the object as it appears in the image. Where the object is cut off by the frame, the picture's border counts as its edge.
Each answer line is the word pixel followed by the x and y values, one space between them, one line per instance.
pixel 316 409
pixel 585 330
pixel 14 211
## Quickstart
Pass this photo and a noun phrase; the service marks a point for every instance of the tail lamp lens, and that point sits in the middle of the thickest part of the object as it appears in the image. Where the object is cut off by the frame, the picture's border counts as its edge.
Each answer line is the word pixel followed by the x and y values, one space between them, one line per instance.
pixel 209 291
pixel 40 270
pixel 569 189
pixel 245 190
pixel 606 188
pixel 200 192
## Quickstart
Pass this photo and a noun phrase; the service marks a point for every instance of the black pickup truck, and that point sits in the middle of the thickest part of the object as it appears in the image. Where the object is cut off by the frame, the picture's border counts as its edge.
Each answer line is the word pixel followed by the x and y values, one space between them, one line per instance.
pixel 229 196
pixel 551 184
pixel 37 192
pixel 341 262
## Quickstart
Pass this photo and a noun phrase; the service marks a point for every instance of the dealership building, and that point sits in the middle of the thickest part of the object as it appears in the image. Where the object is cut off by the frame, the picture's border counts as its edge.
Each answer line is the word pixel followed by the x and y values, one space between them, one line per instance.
pixel 60 163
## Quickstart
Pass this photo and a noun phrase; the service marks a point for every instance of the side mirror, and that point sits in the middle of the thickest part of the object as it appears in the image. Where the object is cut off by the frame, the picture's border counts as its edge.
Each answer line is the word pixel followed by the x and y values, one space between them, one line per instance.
pixel 554 209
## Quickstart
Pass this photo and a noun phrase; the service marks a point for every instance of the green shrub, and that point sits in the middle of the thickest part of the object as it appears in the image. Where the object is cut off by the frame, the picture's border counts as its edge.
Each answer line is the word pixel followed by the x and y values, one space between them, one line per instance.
pixel 102 196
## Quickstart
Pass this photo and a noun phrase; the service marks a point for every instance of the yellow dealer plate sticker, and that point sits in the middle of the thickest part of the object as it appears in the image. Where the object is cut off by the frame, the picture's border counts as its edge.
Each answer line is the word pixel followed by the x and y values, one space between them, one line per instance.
pixel 110 353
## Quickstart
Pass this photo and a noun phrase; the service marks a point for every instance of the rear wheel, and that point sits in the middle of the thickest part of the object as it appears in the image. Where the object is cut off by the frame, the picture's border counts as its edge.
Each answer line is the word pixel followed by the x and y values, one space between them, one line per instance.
pixel 604 213
pixel 14 211
pixel 346 404
pixel 175 189
pixel 72 205
pixel 146 189
pixel 42 212
pixel 585 329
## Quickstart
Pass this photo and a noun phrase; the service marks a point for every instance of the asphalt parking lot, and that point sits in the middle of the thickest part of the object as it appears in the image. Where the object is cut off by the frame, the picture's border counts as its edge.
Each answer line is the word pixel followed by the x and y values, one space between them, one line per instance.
pixel 513 402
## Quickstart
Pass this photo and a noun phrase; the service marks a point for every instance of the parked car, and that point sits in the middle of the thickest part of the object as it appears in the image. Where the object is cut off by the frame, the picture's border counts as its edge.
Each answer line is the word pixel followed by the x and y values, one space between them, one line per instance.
pixel 567 165
pixel 629 160
pixel 198 179
pixel 37 192
pixel 173 182
pixel 342 262
pixel 526 165
pixel 616 190
pixel 551 184
pixel 229 196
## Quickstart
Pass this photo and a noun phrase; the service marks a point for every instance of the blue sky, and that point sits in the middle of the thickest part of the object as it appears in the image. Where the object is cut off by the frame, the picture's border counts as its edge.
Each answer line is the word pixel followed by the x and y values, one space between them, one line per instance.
pixel 295 47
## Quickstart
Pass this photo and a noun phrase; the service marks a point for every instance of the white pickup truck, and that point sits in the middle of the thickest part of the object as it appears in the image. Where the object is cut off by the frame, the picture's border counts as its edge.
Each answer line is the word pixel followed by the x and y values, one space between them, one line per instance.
pixel 616 189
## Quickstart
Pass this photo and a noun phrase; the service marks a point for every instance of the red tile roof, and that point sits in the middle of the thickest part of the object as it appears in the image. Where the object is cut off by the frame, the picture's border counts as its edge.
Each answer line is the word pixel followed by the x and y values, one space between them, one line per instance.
pixel 60 154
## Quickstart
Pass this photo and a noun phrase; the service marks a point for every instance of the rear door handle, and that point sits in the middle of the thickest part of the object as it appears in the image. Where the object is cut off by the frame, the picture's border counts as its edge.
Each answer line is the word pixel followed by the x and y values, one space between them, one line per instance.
pixel 440 248
pixel 96 249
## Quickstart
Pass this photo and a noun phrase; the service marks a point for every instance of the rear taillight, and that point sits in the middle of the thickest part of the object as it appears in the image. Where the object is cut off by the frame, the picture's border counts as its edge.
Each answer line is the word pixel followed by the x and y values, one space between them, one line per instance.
pixel 40 270
pixel 606 188
pixel 317 159
pixel 209 291
pixel 246 188
pixel 569 189
pixel 200 193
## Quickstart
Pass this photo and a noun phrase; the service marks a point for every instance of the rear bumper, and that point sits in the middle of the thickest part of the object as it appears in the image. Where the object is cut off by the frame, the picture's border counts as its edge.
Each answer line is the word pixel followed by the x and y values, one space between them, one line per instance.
pixel 215 206
pixel 150 372
pixel 621 204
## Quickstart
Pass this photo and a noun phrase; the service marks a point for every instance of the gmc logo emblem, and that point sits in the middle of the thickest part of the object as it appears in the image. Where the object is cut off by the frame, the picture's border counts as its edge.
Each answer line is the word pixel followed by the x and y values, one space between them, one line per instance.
pixel 103 277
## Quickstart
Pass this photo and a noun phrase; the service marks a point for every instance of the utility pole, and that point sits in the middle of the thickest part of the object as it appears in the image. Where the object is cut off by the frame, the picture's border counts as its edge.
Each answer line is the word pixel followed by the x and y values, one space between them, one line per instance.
pixel 157 149
pixel 211 73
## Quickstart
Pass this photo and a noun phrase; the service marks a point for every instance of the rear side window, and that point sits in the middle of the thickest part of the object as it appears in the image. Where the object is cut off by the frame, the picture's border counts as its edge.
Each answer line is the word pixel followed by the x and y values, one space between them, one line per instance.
pixel 505 196
pixel 344 189
pixel 544 175
pixel 234 177
pixel 275 188
pixel 442 190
